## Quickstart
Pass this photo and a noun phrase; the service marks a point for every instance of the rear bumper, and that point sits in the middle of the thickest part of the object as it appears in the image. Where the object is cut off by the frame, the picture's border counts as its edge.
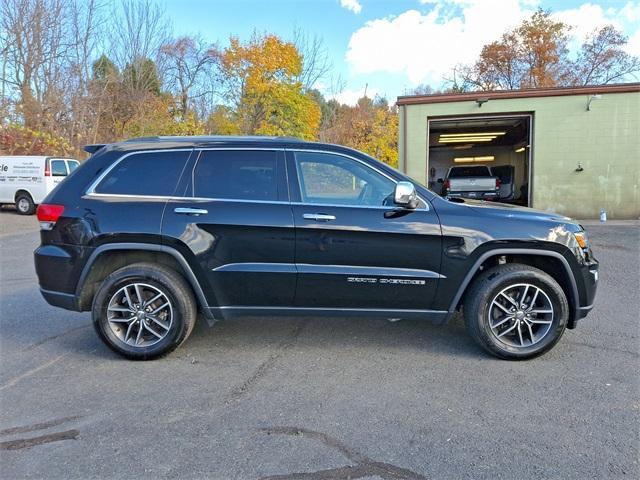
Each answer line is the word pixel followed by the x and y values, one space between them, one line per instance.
pixel 67 301
pixel 472 195
pixel 58 268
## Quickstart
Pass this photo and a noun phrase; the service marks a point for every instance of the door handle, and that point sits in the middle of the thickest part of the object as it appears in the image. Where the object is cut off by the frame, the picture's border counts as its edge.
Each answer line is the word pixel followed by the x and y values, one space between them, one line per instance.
pixel 191 211
pixel 320 217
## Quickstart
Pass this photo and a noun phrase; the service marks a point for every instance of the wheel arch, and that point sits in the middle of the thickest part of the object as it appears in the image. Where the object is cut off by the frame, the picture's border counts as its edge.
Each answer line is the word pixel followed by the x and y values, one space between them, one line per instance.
pixel 107 258
pixel 551 262
pixel 23 190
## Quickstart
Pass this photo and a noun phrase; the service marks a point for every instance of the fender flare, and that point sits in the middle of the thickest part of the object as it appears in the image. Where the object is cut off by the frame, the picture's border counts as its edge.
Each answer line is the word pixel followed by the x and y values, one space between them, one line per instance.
pixel 149 247
pixel 575 299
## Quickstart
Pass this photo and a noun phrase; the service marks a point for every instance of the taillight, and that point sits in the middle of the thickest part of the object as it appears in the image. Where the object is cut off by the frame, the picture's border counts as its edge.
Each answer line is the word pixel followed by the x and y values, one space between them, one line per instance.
pixel 446 185
pixel 47 169
pixel 498 183
pixel 48 215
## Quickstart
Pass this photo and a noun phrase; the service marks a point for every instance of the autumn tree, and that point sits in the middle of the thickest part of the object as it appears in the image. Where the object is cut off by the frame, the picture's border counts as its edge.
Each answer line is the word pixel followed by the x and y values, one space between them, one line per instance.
pixel 602 59
pixel 532 55
pixel 189 64
pixel 262 90
pixel 370 126
pixel 535 54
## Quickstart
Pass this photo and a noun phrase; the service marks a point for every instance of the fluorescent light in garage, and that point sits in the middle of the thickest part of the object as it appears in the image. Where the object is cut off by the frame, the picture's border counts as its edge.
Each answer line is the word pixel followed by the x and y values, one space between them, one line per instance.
pixel 473 134
pixel 486 158
pixel 465 139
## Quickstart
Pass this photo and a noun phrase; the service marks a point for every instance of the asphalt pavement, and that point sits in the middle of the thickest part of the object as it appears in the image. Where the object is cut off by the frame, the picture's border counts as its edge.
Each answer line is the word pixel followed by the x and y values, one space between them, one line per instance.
pixel 315 398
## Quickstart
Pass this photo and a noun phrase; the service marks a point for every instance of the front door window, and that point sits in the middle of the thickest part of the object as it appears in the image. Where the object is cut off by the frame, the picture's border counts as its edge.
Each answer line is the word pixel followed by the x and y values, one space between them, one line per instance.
pixel 329 179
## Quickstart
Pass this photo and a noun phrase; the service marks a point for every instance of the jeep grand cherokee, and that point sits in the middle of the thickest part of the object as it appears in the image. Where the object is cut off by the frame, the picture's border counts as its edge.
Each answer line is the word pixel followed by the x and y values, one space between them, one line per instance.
pixel 151 231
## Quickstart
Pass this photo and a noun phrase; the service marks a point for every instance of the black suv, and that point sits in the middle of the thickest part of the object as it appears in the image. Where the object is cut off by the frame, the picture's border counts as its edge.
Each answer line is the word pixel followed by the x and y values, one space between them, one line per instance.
pixel 149 232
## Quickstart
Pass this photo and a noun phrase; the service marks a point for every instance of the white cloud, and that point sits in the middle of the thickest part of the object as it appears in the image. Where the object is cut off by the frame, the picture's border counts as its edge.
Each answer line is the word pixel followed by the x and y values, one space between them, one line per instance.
pixel 426 46
pixel 352 5
pixel 351 97
pixel 633 47
pixel 584 20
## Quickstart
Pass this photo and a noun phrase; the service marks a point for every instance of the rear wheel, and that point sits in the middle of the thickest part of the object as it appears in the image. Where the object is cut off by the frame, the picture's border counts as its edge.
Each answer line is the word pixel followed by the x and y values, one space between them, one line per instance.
pixel 516 311
pixel 24 204
pixel 144 311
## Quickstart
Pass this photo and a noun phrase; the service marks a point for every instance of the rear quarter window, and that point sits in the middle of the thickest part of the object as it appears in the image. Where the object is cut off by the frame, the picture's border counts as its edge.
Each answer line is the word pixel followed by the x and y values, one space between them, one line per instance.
pixel 145 173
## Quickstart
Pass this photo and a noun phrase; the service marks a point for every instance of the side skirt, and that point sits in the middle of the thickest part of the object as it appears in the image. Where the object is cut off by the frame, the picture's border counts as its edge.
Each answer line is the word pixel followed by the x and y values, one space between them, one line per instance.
pixel 227 312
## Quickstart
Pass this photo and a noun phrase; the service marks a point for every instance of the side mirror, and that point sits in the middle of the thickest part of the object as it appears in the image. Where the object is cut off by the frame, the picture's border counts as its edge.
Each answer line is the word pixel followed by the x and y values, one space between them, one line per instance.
pixel 405 195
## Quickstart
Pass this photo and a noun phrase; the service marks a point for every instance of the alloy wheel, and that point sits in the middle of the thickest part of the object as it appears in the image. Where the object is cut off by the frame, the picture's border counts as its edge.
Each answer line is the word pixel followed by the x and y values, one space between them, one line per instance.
pixel 139 314
pixel 520 315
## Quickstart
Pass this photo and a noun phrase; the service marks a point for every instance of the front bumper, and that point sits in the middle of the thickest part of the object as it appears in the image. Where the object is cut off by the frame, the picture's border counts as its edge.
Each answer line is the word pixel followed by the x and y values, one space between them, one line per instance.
pixel 587 288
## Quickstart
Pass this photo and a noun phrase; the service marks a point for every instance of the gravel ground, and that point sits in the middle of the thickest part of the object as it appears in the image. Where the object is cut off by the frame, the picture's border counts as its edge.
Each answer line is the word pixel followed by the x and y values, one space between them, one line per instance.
pixel 330 398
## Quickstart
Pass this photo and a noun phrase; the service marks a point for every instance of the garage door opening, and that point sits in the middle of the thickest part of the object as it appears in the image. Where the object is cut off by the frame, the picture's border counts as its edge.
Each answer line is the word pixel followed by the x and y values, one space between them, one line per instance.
pixel 486 158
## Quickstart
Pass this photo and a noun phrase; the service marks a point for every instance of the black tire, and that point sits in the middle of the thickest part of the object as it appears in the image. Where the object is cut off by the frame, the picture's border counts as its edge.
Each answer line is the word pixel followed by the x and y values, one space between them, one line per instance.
pixel 478 309
pixel 24 204
pixel 183 310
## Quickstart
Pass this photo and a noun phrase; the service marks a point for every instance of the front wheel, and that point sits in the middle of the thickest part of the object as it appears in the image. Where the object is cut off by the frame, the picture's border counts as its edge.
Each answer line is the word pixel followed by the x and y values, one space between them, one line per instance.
pixel 144 311
pixel 516 311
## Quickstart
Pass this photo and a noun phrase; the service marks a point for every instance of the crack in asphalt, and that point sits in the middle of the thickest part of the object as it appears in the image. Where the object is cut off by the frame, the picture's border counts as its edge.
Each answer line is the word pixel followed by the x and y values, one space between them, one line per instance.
pixel 267 364
pixel 38 426
pixel 53 337
pixel 364 466
pixel 33 371
pixel 21 443
pixel 32 442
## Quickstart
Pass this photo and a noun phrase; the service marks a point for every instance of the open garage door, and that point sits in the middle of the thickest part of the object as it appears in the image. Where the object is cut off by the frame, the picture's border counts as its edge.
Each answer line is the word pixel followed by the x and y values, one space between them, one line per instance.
pixel 501 143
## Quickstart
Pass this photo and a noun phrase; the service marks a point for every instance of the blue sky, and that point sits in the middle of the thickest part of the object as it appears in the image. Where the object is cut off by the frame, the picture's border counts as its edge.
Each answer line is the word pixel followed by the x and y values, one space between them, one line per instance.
pixel 392 46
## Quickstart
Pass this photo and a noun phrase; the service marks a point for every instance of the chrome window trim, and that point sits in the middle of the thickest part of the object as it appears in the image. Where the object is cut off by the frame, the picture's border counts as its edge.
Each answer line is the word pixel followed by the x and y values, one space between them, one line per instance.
pixel 92 193
pixel 366 165
pixel 126 195
pixel 96 182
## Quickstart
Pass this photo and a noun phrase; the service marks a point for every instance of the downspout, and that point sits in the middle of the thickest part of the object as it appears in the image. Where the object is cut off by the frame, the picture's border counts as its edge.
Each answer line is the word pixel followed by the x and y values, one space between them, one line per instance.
pixel 404 139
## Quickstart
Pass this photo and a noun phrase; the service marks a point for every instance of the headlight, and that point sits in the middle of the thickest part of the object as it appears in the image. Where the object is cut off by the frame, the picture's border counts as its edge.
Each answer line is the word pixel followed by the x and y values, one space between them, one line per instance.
pixel 581 238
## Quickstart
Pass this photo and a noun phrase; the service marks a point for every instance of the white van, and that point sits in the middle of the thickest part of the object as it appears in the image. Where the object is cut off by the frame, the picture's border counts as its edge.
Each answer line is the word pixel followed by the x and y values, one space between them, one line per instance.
pixel 26 180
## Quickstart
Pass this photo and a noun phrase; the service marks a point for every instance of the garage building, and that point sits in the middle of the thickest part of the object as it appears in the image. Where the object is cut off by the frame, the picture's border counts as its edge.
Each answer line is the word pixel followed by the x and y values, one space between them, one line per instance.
pixel 574 151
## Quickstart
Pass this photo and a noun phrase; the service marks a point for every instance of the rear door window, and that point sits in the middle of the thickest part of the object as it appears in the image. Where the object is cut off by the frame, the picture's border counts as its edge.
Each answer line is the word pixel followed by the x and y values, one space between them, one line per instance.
pixel 58 168
pixel 145 173
pixel 72 165
pixel 238 175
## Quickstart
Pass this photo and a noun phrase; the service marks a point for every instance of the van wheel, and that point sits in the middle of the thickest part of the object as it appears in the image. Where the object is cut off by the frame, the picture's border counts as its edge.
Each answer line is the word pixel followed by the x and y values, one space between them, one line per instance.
pixel 516 311
pixel 144 311
pixel 24 204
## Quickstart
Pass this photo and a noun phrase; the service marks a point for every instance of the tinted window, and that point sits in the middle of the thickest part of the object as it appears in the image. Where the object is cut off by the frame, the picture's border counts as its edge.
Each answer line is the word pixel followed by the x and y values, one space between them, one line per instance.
pixel 58 168
pixel 503 173
pixel 462 172
pixel 72 165
pixel 334 179
pixel 153 173
pixel 237 174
